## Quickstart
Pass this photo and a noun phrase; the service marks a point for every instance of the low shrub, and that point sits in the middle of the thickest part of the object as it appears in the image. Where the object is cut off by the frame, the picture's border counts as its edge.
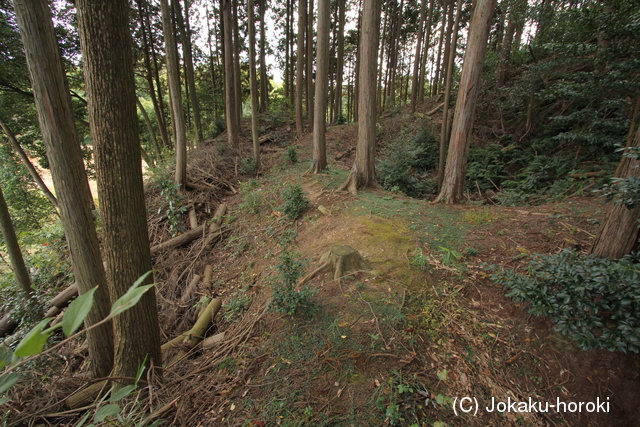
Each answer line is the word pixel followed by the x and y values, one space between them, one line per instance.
pixel 286 299
pixel 593 300
pixel 295 202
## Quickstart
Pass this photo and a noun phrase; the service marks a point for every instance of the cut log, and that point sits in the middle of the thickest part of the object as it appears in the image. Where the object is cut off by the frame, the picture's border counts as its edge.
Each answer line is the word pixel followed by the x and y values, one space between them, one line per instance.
pixel 194 335
pixel 265 138
pixel 212 341
pixel 64 297
pixel 180 240
pixel 206 280
pixel 87 395
pixel 189 293
pixel 343 260
pixel 7 325
pixel 431 112
pixel 193 220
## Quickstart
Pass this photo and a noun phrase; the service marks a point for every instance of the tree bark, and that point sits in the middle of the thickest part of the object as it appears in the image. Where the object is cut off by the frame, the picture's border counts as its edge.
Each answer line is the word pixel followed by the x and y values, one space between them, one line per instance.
pixel 229 79
pixel 175 96
pixel 32 170
pixel 415 78
pixel 264 80
pixel 107 54
pixel 254 85
pixel 152 133
pixel 435 85
pixel 423 64
pixel 15 257
pixel 340 58
pixel 162 125
pixel 618 235
pixel 456 167
pixel 300 65
pixel 363 171
pixel 236 62
pixel 55 114
pixel 320 103
pixel 444 133
pixel 447 42
pixel 309 58
pixel 187 55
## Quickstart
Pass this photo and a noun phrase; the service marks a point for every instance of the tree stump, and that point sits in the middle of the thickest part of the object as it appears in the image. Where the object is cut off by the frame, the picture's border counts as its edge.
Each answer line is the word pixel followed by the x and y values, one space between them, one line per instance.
pixel 342 260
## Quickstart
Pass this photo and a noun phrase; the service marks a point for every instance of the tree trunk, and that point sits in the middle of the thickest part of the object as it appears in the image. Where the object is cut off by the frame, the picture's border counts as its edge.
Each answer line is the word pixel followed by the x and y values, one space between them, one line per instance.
pixel 300 65
pixel 444 133
pixel 264 80
pixel 618 235
pixel 32 170
pixel 320 103
pixel 236 62
pixel 254 85
pixel 425 54
pixel 175 96
pixel 108 68
pixel 15 257
pixel 415 78
pixel 309 58
pixel 55 113
pixel 340 58
pixel 152 133
pixel 187 55
pixel 456 167
pixel 436 78
pixel 162 126
pixel 229 79
pixel 363 171
pixel 447 44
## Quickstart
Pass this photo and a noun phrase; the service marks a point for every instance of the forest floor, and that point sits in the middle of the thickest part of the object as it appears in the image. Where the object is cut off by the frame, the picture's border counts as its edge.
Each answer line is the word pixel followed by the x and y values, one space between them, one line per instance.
pixel 400 346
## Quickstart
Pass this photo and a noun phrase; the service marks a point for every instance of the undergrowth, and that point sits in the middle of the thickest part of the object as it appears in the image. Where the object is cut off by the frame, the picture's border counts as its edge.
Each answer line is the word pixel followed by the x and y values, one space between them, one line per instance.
pixel 593 300
pixel 286 299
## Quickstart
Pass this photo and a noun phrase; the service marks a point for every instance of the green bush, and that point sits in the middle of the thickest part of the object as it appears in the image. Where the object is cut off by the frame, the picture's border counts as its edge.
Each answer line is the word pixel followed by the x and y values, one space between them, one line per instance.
pixel 295 202
pixel 292 154
pixel 174 211
pixel 247 167
pixel 286 299
pixel 236 306
pixel 404 166
pixel 593 300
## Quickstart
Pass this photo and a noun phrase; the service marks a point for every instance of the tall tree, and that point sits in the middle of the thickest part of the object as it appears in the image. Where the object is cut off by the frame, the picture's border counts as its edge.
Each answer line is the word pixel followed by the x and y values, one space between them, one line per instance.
pixel 15 256
pixel 236 61
pixel 415 78
pixel 146 48
pixel 229 78
pixel 618 234
pixel 435 84
pixel 309 57
pixel 25 160
pixel 55 114
pixel 175 95
pixel 444 133
pixel 363 171
pixel 187 55
pixel 300 65
pixel 425 54
pixel 340 58
pixel 264 80
pixel 322 79
pixel 456 168
pixel 108 68
pixel 253 85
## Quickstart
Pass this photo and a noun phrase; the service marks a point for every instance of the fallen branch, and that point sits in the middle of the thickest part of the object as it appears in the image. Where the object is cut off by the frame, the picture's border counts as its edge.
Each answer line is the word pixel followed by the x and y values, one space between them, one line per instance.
pixel 193 336
pixel 431 112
